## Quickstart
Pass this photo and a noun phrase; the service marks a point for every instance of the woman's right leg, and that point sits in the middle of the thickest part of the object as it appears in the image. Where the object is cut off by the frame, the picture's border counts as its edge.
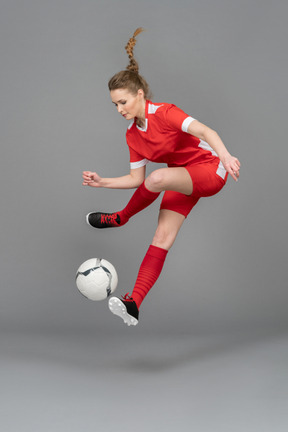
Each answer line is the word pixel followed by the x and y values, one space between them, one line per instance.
pixel 141 199
pixel 163 179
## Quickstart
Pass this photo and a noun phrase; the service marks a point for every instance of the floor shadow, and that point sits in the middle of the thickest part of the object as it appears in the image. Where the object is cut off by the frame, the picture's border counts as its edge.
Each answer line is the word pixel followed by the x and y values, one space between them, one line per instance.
pixel 173 354
pixel 146 355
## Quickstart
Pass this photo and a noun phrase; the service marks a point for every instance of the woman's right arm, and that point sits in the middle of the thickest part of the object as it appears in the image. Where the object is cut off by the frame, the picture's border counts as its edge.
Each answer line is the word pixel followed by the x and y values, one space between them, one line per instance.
pixel 129 181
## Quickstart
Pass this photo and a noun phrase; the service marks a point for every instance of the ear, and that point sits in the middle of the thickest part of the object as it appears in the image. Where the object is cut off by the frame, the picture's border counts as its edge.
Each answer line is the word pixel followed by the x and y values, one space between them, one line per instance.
pixel 140 93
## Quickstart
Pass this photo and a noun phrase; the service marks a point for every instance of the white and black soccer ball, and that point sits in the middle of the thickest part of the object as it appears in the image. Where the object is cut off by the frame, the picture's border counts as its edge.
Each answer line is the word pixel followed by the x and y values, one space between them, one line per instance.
pixel 96 279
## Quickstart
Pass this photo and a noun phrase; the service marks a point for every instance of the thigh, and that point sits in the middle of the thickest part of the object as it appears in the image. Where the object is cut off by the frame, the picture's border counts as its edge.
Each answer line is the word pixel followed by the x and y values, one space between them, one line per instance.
pixel 178 202
pixel 208 178
pixel 175 179
pixel 169 224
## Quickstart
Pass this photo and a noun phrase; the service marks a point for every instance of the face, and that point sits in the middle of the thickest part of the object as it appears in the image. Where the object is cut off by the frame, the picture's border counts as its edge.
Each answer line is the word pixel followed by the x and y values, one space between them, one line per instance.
pixel 128 104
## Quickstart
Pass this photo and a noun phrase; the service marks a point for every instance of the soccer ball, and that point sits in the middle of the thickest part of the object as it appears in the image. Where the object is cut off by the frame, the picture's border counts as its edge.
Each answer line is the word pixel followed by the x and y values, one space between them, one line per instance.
pixel 96 279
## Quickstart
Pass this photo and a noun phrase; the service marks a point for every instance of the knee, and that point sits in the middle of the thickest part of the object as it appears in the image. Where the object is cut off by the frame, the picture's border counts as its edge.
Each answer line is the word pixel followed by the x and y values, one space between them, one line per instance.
pixel 155 181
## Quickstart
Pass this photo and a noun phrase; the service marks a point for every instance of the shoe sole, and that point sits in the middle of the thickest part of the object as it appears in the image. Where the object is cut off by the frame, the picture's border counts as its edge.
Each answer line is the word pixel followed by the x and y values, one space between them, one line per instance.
pixel 87 219
pixel 119 309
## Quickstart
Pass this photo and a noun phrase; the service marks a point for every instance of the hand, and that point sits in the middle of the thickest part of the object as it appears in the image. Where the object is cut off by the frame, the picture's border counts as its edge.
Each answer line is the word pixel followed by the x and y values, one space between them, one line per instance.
pixel 91 179
pixel 232 166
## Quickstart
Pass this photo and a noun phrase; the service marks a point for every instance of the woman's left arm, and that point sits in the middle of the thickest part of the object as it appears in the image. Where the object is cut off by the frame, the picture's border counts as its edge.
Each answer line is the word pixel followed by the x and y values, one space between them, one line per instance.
pixel 203 132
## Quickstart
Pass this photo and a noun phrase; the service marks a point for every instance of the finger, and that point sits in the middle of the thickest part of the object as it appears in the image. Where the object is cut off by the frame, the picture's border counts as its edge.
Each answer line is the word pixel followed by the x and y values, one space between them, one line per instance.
pixel 235 166
pixel 233 174
pixel 87 180
pixel 87 177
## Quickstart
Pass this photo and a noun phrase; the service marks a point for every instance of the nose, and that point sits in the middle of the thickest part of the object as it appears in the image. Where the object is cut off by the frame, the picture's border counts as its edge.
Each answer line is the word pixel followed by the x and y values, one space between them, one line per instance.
pixel 119 109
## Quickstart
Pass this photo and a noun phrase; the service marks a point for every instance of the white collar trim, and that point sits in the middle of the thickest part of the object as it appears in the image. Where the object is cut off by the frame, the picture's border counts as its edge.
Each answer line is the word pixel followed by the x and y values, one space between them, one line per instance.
pixel 145 127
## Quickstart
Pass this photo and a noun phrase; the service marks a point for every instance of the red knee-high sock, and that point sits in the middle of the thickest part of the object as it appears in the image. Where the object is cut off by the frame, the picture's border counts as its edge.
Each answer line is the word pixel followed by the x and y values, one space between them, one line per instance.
pixel 149 272
pixel 141 199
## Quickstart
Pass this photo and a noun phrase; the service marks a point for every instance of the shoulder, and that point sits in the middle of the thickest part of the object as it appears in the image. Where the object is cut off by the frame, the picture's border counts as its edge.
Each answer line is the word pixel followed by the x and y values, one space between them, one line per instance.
pixel 171 115
pixel 158 108
pixel 159 112
pixel 165 110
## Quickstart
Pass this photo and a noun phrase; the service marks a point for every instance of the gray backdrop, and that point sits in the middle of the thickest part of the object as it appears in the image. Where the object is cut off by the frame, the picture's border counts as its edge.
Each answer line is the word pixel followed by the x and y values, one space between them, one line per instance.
pixel 210 353
pixel 225 63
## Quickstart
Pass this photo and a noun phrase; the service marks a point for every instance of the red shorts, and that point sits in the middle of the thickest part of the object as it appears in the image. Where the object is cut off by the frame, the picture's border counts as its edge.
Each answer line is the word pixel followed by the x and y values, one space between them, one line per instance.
pixel 207 178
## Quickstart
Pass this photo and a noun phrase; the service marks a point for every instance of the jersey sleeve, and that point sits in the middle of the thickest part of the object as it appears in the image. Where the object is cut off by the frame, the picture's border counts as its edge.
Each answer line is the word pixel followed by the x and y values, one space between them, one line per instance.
pixel 136 160
pixel 178 119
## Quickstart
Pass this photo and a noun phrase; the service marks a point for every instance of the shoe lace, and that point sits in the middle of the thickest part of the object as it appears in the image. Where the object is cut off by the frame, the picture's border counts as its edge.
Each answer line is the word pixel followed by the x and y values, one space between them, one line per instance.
pixel 127 297
pixel 110 218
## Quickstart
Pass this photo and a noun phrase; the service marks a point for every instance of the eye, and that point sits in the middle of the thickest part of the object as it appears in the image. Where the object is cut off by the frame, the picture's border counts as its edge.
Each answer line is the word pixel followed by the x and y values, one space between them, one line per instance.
pixel 120 103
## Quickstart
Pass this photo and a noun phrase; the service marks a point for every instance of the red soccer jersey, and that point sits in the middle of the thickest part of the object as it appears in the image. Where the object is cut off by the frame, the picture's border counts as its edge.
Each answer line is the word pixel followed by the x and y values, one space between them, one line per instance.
pixel 164 139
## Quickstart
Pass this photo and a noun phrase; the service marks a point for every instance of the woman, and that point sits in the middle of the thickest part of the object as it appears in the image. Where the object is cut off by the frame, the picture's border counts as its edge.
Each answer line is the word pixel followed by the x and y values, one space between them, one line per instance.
pixel 197 161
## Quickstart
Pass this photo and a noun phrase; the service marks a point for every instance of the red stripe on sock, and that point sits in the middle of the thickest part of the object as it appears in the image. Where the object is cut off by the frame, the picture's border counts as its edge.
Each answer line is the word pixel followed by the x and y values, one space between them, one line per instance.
pixel 149 272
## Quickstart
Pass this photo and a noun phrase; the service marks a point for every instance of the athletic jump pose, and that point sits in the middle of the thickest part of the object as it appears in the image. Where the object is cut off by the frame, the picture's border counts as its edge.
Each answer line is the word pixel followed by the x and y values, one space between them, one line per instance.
pixel 198 165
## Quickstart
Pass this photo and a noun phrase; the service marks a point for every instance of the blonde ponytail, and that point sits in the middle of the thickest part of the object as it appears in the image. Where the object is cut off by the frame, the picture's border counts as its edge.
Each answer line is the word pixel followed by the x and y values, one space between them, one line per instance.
pixel 130 78
pixel 133 65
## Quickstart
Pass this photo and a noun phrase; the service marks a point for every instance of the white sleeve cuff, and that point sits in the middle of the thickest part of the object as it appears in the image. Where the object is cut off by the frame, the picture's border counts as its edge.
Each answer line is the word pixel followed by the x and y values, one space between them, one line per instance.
pixel 139 164
pixel 186 123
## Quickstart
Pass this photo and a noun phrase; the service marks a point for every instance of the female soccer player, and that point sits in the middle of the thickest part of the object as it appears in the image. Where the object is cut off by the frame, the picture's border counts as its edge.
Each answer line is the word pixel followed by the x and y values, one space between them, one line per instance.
pixel 197 161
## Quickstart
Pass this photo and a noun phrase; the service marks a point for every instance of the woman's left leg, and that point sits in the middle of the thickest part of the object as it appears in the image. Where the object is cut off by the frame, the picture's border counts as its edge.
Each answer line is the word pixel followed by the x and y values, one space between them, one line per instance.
pixel 169 224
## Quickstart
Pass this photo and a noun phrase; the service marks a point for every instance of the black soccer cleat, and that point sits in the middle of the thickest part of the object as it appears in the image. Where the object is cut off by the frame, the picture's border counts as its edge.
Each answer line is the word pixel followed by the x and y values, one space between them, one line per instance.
pixel 103 220
pixel 125 308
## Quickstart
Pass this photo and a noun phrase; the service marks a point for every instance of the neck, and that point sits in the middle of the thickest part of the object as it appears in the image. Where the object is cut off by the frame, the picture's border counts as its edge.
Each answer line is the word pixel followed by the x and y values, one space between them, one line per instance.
pixel 140 119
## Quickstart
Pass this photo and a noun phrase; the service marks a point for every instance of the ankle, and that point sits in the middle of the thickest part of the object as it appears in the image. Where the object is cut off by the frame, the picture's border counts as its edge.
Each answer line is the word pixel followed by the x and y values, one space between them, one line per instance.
pixel 123 217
